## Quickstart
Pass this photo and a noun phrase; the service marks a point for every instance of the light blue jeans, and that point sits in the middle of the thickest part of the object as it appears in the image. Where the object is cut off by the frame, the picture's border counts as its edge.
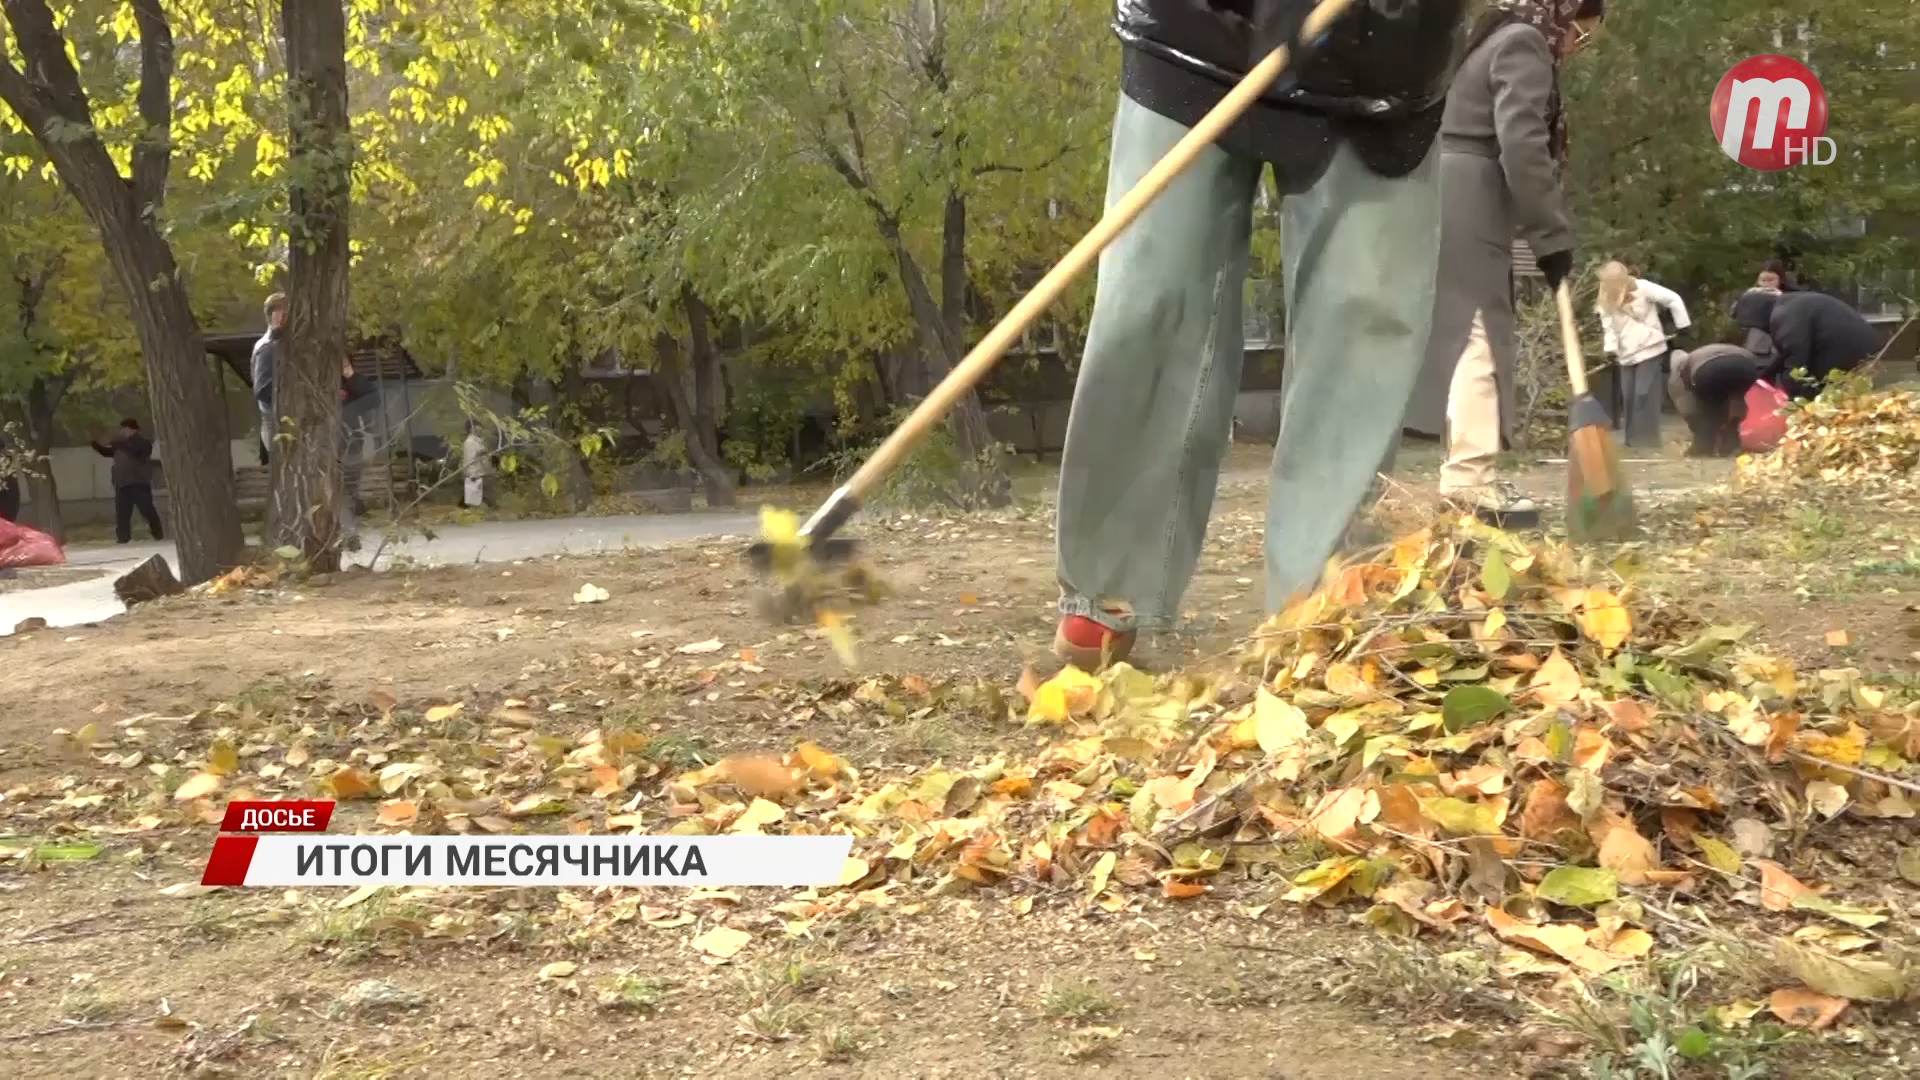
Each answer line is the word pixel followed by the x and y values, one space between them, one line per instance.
pixel 1153 408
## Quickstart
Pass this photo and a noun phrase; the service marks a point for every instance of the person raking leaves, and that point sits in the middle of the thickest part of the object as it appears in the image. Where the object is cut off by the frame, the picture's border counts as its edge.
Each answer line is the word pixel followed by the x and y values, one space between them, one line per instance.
pixel 1349 134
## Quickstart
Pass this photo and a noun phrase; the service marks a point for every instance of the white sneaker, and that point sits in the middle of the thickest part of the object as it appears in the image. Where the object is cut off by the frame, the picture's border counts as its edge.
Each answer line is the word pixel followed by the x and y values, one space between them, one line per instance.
pixel 1500 504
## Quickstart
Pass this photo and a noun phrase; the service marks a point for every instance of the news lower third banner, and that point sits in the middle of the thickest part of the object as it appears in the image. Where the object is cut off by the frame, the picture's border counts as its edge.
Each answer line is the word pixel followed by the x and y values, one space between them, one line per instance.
pixel 309 860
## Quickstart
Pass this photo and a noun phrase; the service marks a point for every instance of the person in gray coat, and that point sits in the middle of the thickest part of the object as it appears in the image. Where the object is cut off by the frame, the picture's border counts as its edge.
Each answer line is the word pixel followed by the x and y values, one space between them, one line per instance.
pixel 1503 146
pixel 266 352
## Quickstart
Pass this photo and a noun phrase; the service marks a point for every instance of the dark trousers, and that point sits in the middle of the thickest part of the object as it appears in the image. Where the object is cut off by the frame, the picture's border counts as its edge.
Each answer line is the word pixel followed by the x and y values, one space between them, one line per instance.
pixel 9 499
pixel 1720 386
pixel 126 500
pixel 1641 389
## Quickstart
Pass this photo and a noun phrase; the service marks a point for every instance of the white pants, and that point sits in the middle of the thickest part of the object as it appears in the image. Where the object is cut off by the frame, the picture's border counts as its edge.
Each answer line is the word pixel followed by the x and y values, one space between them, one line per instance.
pixel 1473 417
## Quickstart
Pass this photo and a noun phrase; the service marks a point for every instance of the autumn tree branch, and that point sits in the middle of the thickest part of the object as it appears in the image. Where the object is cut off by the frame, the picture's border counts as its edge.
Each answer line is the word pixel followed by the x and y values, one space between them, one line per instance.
pixel 153 151
pixel 1051 160
pixel 48 97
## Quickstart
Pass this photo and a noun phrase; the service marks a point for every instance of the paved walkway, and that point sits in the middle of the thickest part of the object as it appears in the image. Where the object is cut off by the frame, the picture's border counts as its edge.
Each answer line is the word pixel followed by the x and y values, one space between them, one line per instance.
pixel 505 541
pixel 491 542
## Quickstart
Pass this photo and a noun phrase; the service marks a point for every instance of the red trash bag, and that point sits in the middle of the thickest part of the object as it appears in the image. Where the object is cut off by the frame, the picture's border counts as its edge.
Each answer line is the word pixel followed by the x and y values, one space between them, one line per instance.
pixel 22 547
pixel 1764 426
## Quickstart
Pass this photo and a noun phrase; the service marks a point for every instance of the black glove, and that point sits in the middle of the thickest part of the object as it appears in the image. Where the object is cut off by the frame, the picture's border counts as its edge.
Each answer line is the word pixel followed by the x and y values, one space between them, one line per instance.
pixel 1556 266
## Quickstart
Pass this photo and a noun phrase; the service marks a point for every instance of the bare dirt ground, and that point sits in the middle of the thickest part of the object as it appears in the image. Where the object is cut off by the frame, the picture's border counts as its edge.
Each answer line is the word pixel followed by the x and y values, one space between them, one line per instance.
pixel 104 974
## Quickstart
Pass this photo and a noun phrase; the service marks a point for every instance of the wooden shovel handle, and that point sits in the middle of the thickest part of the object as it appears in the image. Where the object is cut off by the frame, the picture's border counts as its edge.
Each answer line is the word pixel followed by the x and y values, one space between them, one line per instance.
pixel 1570 341
pixel 1121 214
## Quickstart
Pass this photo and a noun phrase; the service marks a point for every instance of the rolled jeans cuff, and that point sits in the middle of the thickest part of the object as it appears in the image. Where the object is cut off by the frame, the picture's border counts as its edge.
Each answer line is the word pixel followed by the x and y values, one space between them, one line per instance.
pixel 1120 622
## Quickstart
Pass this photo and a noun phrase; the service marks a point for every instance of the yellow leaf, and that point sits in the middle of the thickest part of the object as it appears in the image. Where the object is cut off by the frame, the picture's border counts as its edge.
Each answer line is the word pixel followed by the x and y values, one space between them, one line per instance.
pixel 87 735
pixel 838 636
pixel 1557 682
pixel 441 713
pixel 1563 940
pixel 1460 817
pixel 1604 619
pixel 1069 694
pixel 1630 944
pixel 398 813
pixel 198 786
pixel 779 527
pixel 1625 852
pixel 297 754
pixel 853 870
pixel 759 813
pixel 1102 871
pixel 1850 977
pixel 823 764
pixel 1345 680
pixel 1837 639
pixel 349 783
pixel 1277 723
pixel 1718 854
pixel 723 942
pixel 222 758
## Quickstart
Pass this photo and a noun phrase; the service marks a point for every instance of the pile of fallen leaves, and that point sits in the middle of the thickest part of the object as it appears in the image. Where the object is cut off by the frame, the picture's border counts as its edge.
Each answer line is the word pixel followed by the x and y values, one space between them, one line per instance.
pixel 1453 737
pixel 1848 437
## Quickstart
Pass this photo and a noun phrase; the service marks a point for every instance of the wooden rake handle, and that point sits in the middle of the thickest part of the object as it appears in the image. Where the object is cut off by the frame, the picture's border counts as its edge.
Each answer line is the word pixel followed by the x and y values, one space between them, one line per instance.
pixel 1121 214
pixel 1570 341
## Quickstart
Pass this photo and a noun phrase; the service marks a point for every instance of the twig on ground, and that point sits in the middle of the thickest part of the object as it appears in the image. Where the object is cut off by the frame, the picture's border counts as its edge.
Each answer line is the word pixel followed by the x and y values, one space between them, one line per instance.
pixel 64 1029
pixel 33 935
pixel 1890 781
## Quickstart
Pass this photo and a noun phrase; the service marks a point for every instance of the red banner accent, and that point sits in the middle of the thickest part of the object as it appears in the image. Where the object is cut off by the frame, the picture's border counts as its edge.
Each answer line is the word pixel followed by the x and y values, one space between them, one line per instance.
pixel 227 864
pixel 277 815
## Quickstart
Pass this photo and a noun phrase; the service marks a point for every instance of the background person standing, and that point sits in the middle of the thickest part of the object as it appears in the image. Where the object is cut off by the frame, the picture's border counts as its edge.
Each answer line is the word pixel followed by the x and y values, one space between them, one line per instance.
pixel 266 362
pixel 1629 308
pixel 132 454
pixel 1503 148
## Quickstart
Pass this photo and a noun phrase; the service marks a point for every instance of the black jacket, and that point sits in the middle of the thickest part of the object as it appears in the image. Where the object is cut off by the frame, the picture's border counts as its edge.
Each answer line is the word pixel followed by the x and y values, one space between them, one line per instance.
pixel 1814 331
pixel 1380 84
pixel 132 459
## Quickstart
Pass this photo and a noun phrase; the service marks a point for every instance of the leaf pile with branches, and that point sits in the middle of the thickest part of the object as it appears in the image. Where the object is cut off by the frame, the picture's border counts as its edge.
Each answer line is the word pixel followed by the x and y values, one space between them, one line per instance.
pixel 1454 736
pixel 1849 437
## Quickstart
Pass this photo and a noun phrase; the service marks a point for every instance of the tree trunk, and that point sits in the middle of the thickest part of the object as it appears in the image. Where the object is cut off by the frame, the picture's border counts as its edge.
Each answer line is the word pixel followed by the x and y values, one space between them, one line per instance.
pixel 706 405
pixel 43 402
pixel 969 420
pixel 49 98
pixel 670 371
pixel 986 479
pixel 953 271
pixel 309 505
pixel 203 512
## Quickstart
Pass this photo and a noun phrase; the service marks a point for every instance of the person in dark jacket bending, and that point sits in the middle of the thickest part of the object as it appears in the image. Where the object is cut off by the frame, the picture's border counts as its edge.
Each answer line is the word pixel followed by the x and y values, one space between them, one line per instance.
pixel 1349 135
pixel 1709 389
pixel 132 454
pixel 1803 331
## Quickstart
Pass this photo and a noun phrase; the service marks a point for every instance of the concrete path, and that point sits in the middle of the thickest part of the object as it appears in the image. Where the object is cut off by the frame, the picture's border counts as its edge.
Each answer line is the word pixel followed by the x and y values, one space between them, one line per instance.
pixel 505 541
pixel 91 601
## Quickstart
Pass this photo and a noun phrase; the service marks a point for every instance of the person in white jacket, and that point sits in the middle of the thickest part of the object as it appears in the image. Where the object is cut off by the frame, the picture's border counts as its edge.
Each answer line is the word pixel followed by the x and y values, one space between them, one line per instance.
pixel 1629 309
